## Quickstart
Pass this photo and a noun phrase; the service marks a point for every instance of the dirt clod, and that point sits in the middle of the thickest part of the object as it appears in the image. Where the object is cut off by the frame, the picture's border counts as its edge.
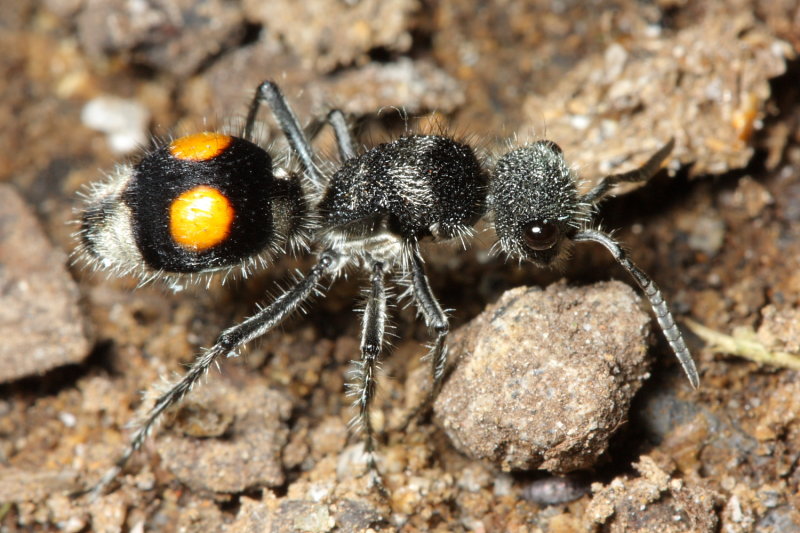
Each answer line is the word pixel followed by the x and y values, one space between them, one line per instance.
pixel 706 86
pixel 336 33
pixel 177 36
pixel 653 502
pixel 252 424
pixel 545 377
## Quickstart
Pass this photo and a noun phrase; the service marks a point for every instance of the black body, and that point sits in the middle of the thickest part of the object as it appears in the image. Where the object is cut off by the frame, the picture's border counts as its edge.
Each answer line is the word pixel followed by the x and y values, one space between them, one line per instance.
pixel 372 213
pixel 415 186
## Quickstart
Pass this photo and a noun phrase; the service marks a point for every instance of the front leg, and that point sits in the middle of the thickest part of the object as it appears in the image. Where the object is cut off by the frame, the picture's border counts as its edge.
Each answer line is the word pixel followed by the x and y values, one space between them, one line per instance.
pixel 344 138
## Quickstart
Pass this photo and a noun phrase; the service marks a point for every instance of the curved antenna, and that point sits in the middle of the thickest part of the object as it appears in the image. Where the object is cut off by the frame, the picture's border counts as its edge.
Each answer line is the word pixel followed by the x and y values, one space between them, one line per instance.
pixel 643 173
pixel 344 139
pixel 653 294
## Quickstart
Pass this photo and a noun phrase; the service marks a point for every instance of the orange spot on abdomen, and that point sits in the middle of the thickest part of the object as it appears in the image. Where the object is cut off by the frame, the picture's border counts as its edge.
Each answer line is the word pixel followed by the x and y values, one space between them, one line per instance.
pixel 200 146
pixel 200 218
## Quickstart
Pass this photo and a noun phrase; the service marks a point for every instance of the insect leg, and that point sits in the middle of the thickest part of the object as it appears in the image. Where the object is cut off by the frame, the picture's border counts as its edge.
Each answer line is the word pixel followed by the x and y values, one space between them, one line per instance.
pixel 435 317
pixel 344 138
pixel 372 333
pixel 270 94
pixel 227 342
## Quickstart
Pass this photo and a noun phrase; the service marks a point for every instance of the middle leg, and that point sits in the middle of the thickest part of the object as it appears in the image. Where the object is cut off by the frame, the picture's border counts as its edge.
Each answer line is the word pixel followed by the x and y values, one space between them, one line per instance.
pixel 372 333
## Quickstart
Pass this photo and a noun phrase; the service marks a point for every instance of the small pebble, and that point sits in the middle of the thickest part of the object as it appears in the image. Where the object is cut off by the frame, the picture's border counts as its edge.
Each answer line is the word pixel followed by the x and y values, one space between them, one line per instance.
pixel 123 121
pixel 554 490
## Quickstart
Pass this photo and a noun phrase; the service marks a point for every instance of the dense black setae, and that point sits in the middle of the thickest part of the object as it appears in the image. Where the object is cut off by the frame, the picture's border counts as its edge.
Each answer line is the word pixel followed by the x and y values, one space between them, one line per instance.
pixel 535 203
pixel 414 187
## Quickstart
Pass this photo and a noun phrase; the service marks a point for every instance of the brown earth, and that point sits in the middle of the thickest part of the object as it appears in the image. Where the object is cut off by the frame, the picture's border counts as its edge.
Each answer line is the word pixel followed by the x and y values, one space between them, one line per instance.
pixel 719 232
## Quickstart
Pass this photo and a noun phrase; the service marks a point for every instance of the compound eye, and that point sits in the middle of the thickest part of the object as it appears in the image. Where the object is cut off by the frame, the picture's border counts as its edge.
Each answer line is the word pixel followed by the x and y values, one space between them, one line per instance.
pixel 540 235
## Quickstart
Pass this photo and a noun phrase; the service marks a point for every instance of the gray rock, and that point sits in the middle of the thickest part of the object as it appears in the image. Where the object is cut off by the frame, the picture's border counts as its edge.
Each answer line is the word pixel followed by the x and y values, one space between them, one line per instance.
pixel 555 490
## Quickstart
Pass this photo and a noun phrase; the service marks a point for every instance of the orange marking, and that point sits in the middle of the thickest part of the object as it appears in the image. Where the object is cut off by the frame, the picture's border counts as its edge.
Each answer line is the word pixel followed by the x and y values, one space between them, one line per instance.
pixel 200 218
pixel 200 146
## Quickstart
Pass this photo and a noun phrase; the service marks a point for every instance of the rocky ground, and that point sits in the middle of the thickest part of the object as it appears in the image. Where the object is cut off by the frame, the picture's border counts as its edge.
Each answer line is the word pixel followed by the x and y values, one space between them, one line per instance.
pixel 564 409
